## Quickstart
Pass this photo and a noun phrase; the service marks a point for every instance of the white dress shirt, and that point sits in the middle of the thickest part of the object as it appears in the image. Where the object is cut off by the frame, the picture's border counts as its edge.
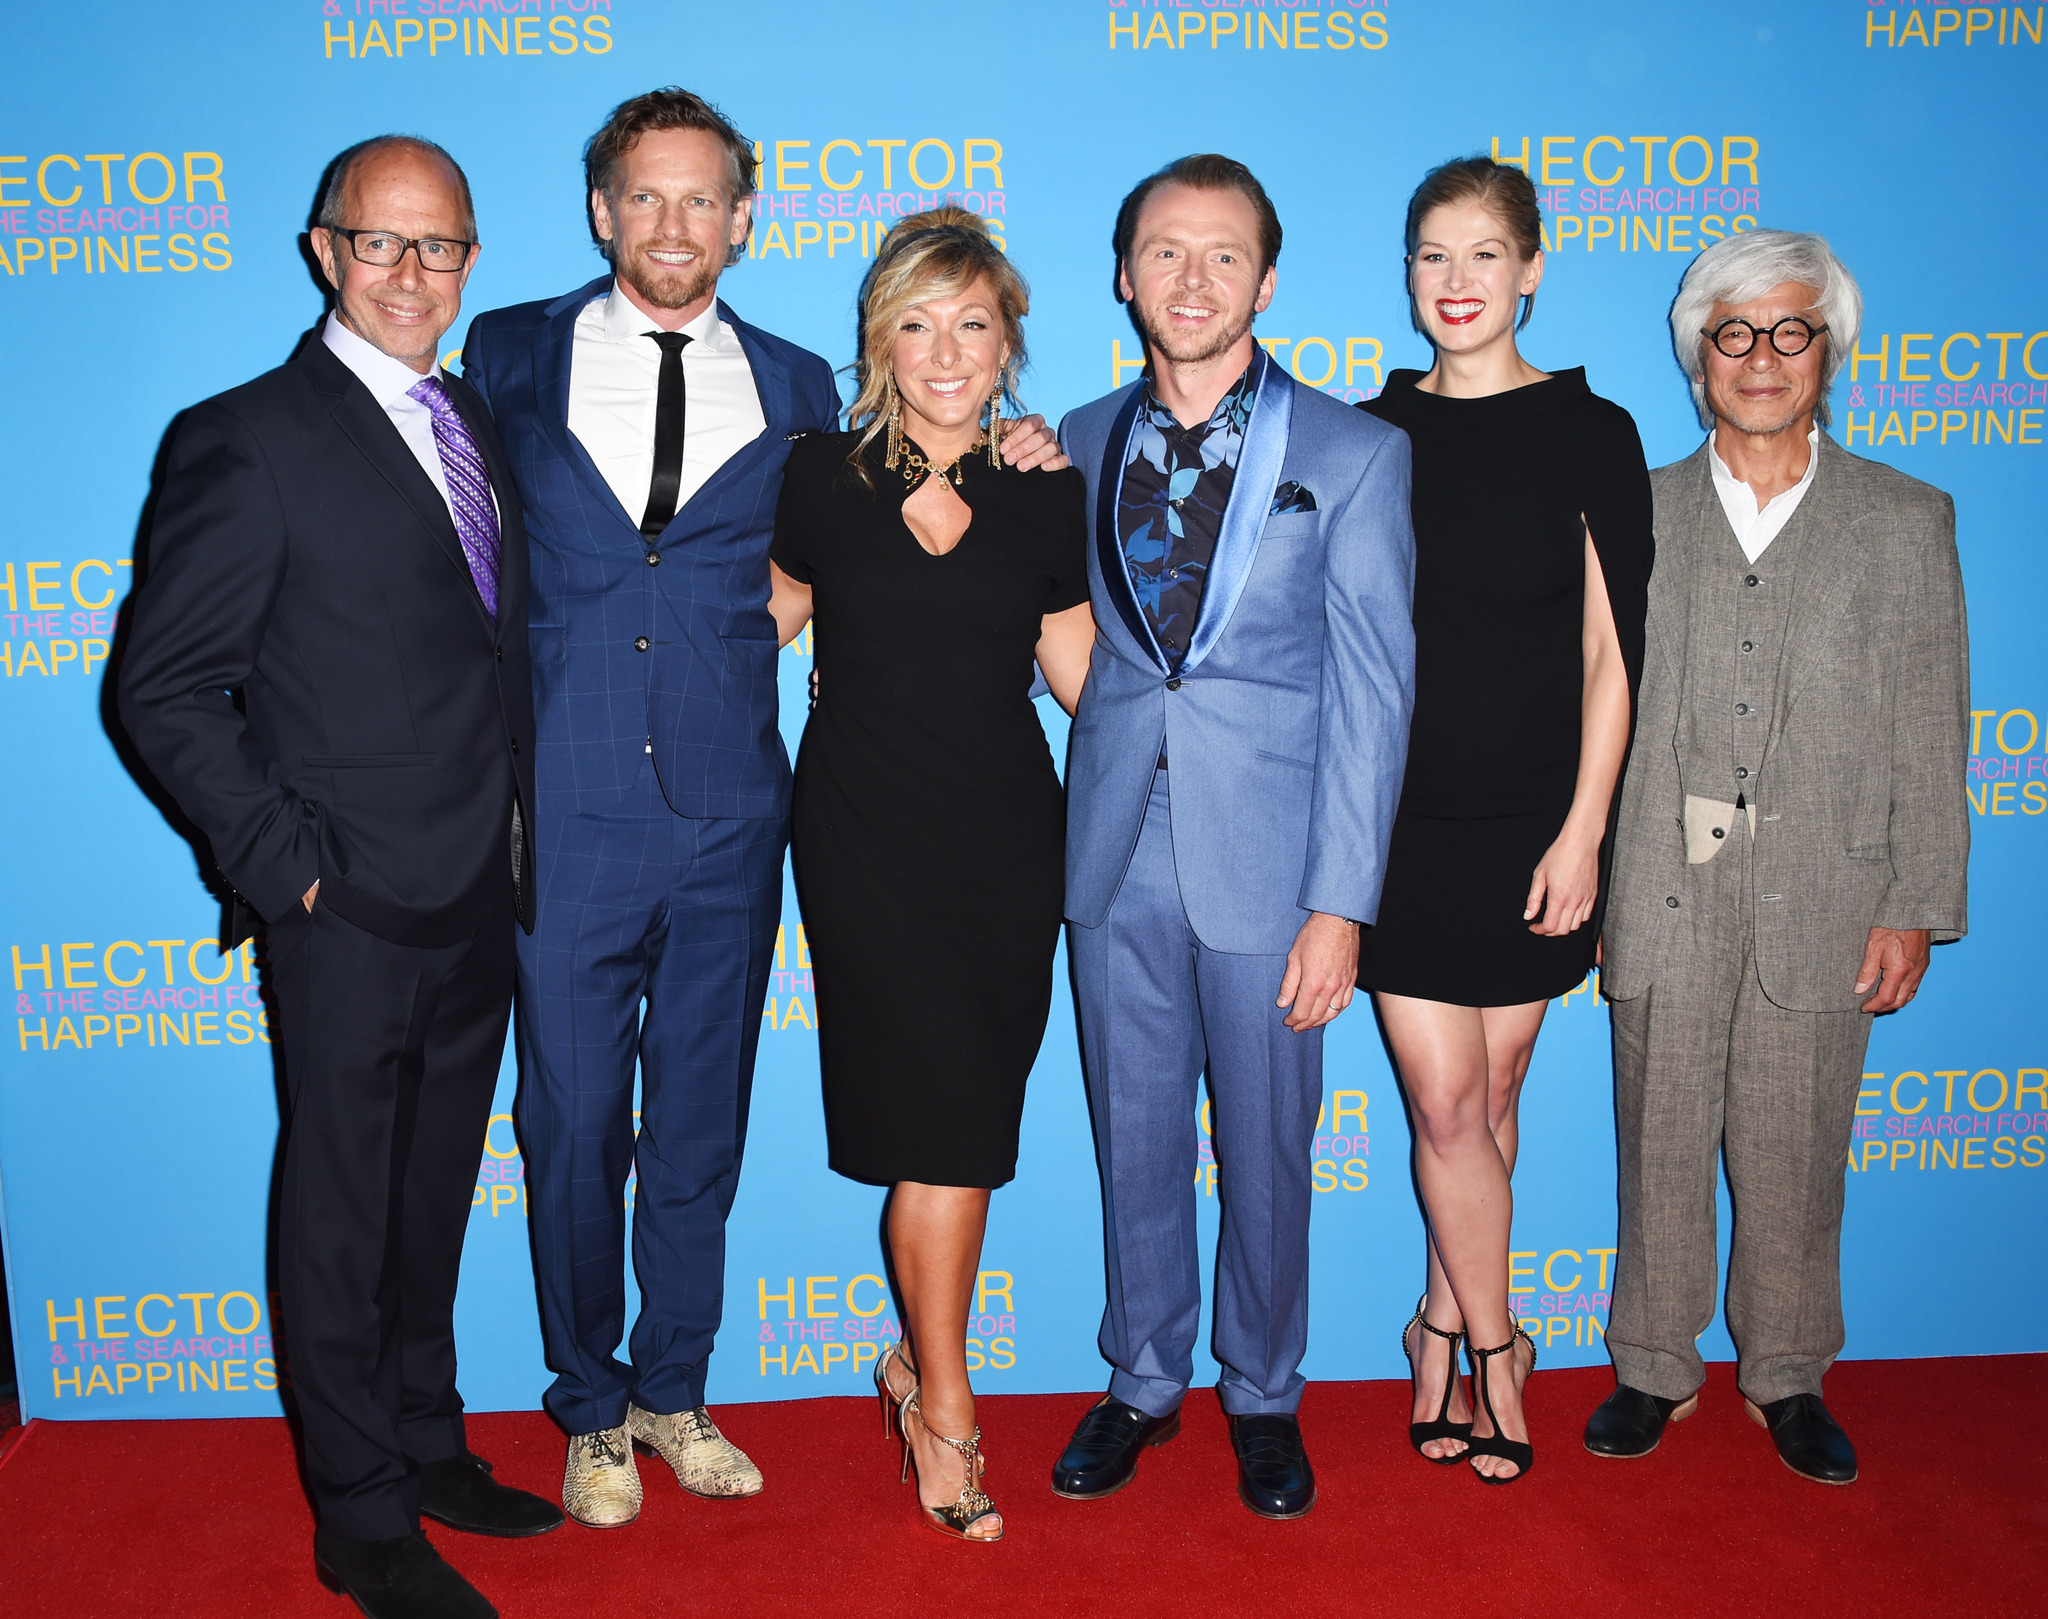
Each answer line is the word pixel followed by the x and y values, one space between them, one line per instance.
pixel 388 379
pixel 1754 530
pixel 614 377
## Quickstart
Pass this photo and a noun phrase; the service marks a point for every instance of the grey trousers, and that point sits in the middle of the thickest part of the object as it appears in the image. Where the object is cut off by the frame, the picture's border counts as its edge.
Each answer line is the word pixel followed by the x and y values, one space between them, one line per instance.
pixel 1704 1064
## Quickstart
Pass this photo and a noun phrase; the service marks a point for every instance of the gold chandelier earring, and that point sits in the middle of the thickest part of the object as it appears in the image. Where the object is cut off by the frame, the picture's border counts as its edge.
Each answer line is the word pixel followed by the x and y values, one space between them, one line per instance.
pixel 895 441
pixel 995 424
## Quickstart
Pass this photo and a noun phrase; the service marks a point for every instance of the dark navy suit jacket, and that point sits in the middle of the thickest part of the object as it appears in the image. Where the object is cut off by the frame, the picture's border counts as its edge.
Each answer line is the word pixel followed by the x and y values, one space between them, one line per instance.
pixel 681 654
pixel 312 674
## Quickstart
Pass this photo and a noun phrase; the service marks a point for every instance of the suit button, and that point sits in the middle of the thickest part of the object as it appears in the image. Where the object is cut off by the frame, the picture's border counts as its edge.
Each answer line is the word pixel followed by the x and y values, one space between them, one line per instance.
pixel 1671 900
pixel 1742 708
pixel 1749 579
pixel 1742 772
pixel 653 559
pixel 640 643
pixel 501 654
pixel 1173 684
pixel 1749 646
pixel 515 749
pixel 1719 832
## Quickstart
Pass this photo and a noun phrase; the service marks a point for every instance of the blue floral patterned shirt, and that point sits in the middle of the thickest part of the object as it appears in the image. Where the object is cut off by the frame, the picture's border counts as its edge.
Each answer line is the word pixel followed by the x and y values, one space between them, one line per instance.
pixel 1176 483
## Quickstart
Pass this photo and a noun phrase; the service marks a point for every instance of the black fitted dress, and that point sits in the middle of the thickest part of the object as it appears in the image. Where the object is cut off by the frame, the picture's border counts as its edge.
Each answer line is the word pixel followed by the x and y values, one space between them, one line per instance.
pixel 929 831
pixel 1501 486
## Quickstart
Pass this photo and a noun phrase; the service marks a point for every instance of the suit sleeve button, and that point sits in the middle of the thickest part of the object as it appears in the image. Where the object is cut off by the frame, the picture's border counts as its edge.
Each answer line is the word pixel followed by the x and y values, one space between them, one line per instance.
pixel 640 643
pixel 1671 900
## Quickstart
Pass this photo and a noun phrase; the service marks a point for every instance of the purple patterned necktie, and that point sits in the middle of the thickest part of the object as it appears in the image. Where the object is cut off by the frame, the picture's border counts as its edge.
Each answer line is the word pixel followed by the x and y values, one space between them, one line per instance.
pixel 469 488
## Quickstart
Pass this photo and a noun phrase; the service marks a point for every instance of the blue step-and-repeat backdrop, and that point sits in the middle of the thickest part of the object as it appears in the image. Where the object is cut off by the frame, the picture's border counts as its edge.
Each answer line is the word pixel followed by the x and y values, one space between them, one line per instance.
pixel 157 166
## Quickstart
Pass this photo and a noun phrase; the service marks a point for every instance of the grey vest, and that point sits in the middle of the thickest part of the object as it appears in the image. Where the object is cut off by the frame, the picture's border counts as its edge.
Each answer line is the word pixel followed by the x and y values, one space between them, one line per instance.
pixel 1735 657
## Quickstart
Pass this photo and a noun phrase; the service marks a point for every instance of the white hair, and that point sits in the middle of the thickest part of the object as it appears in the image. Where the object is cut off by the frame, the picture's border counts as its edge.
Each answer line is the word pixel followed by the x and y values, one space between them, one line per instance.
pixel 1747 265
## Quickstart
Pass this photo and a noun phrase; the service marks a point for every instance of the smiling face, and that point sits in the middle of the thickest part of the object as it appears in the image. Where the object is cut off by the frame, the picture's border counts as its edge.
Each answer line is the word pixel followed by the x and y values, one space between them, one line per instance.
pixel 1194 277
pixel 945 358
pixel 1467 279
pixel 671 216
pixel 1766 392
pixel 401 309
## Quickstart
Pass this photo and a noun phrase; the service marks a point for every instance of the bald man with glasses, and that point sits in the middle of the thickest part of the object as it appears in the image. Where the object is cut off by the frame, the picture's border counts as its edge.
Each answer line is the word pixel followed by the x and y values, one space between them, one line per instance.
pixel 328 670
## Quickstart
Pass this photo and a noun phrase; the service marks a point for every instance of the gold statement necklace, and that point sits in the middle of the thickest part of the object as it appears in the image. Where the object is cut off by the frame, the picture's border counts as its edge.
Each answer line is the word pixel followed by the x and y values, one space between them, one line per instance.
pixel 916 468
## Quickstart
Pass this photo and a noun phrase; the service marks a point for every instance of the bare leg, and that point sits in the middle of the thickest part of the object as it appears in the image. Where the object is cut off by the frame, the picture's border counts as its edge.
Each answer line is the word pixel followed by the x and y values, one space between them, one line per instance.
pixel 1451 1077
pixel 935 1235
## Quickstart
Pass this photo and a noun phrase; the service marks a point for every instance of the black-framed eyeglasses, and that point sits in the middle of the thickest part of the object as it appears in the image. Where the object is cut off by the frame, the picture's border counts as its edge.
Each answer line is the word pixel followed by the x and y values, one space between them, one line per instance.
pixel 384 249
pixel 1735 336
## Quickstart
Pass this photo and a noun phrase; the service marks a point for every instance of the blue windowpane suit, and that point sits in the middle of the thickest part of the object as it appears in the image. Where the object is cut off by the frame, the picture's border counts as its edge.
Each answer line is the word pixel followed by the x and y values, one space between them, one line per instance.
pixel 662 803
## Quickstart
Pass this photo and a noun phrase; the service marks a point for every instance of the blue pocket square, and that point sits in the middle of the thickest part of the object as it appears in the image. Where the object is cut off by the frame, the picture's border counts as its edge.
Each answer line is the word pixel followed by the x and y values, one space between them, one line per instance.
pixel 1289 498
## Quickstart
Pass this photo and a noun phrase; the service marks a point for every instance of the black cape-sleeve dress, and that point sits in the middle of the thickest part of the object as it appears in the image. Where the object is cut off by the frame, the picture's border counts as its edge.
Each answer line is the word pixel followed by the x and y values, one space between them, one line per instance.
pixel 1506 489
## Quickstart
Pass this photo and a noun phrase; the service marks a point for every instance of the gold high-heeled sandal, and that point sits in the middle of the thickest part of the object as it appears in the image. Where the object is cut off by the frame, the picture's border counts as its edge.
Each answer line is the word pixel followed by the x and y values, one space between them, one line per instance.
pixel 892 1403
pixel 974 1504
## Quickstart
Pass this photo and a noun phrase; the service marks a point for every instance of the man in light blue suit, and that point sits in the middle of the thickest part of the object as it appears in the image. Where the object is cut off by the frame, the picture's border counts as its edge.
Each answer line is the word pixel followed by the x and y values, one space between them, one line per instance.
pixel 1234 769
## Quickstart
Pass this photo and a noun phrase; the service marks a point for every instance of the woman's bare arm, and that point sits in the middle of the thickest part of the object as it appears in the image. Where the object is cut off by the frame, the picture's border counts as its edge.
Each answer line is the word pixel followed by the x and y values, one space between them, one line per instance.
pixel 1065 641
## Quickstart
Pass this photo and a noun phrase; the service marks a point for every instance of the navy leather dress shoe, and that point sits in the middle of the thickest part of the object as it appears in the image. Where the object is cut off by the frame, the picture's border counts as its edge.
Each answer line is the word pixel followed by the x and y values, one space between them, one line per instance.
pixel 1809 1441
pixel 1274 1478
pixel 459 1491
pixel 1102 1457
pixel 1630 1423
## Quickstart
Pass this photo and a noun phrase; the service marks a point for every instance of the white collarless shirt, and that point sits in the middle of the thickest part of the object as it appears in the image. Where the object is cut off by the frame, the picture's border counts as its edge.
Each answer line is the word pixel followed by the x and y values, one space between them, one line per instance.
pixel 614 378
pixel 388 381
pixel 1755 529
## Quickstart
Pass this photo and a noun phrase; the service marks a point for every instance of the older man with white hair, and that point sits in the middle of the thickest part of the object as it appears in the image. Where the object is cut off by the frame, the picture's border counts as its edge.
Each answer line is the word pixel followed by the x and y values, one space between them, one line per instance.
pixel 1792 839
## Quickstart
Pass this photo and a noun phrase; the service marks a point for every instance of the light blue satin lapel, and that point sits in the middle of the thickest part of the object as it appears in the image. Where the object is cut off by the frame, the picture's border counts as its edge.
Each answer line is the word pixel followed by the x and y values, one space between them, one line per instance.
pixel 1259 460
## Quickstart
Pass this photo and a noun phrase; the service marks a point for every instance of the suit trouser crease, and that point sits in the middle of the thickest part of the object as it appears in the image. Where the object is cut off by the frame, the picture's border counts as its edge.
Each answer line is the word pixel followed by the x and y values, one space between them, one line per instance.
pixel 391 1061
pixel 650 956
pixel 1706 1066
pixel 1156 1007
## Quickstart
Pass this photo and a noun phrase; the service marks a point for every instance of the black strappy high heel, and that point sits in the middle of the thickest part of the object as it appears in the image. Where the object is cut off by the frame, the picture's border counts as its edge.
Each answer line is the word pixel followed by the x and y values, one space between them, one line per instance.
pixel 1421 1433
pixel 1522 1454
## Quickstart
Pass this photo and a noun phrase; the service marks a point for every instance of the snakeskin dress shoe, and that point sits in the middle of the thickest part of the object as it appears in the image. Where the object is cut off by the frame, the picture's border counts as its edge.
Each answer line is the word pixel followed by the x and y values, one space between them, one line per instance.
pixel 1809 1440
pixel 600 1485
pixel 459 1491
pixel 706 1462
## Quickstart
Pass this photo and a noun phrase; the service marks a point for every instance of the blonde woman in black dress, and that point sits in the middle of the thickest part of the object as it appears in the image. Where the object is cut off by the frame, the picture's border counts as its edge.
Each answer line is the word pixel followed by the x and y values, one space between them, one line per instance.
pixel 1533 548
pixel 929 823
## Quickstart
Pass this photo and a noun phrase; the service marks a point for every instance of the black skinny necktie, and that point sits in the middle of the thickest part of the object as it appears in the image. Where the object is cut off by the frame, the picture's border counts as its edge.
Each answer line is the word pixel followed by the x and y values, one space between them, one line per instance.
pixel 668 436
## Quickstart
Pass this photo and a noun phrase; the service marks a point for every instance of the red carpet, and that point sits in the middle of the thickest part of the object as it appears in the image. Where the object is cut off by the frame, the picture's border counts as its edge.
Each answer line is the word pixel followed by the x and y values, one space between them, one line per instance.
pixel 204 1519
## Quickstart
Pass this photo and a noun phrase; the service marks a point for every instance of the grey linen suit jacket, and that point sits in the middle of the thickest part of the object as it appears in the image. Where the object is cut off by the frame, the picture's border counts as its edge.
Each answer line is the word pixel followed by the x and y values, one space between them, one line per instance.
pixel 1861 816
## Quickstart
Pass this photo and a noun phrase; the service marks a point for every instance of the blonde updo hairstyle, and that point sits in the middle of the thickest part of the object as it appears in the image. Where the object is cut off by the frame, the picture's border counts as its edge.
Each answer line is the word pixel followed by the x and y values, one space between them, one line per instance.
pixel 939 253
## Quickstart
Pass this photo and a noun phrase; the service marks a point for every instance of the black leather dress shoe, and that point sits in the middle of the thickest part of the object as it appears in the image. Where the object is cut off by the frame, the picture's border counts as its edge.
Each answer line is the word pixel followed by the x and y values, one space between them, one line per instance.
pixel 1629 1423
pixel 397 1579
pixel 459 1491
pixel 1274 1478
pixel 1809 1441
pixel 1102 1457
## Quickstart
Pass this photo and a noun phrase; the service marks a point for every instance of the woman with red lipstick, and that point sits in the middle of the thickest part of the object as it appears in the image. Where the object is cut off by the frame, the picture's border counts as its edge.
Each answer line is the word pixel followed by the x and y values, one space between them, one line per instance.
pixel 1533 549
